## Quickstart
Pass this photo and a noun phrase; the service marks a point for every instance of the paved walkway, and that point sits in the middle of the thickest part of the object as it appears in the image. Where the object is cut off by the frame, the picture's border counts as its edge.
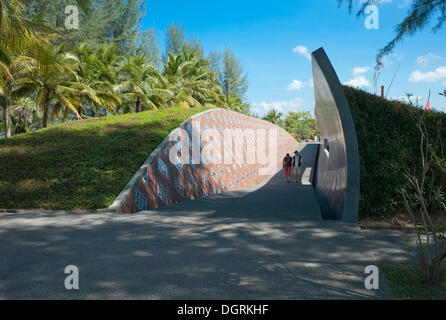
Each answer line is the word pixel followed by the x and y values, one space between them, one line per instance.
pixel 268 243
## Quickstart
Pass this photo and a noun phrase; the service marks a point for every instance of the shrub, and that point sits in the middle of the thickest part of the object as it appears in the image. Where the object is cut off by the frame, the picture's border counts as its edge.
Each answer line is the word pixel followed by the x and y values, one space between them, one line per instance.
pixel 389 144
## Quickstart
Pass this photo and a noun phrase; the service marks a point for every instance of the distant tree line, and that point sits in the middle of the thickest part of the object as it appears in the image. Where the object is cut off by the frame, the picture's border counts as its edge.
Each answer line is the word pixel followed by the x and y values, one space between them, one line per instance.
pixel 301 125
pixel 107 66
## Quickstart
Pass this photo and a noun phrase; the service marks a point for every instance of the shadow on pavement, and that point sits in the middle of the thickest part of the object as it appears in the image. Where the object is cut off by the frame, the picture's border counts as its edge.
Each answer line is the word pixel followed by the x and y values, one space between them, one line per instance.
pixel 266 244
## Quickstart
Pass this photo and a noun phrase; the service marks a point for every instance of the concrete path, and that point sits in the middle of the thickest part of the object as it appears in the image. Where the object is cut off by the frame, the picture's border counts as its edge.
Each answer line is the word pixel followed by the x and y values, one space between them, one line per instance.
pixel 268 243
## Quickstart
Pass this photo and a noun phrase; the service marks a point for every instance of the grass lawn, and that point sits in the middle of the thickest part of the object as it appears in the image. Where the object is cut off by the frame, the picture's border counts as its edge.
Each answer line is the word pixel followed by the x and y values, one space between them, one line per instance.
pixel 81 164
pixel 405 283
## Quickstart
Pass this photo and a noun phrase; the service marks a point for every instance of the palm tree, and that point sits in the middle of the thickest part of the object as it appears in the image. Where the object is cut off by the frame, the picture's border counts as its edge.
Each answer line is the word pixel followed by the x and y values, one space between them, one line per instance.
pixel 23 114
pixel 273 116
pixel 138 84
pixel 96 74
pixel 409 98
pixel 173 79
pixel 16 34
pixel 15 28
pixel 13 79
pixel 5 84
pixel 235 103
pixel 53 77
pixel 193 84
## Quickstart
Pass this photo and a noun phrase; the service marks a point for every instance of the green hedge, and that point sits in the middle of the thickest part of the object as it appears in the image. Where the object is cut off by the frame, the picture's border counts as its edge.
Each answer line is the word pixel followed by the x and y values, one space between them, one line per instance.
pixel 389 143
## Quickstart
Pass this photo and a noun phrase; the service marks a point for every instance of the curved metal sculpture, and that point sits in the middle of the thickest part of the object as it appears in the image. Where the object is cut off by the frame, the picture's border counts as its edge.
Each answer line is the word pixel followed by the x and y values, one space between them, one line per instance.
pixel 337 175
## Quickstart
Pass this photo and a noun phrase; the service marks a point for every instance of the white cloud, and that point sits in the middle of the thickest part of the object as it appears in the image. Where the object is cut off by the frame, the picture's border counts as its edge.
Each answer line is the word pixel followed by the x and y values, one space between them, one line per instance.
pixel 400 3
pixel 390 59
pixel 303 51
pixel 426 59
pixel 381 1
pixel 263 107
pixel 444 83
pixel 297 85
pixel 360 70
pixel 404 3
pixel 413 99
pixel 358 82
pixel 431 76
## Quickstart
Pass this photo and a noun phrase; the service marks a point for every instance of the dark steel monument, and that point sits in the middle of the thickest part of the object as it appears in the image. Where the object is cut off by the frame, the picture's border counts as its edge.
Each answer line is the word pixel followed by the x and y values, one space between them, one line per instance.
pixel 336 180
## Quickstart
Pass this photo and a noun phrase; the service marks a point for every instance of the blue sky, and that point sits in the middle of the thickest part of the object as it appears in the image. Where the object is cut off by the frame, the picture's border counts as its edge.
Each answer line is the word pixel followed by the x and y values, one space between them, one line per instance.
pixel 272 38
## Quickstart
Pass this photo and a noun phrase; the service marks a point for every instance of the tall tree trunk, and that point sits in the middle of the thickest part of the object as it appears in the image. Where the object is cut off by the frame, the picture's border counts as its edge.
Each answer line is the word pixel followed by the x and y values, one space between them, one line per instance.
pixel 45 109
pixel 6 118
pixel 138 105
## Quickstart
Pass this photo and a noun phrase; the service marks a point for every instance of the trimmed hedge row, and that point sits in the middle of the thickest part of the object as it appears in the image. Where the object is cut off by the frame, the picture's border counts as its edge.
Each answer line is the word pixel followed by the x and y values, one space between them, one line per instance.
pixel 389 144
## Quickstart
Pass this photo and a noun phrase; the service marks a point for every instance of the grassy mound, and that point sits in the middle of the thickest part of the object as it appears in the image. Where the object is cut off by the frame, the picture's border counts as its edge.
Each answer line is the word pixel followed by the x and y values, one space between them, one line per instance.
pixel 389 144
pixel 81 164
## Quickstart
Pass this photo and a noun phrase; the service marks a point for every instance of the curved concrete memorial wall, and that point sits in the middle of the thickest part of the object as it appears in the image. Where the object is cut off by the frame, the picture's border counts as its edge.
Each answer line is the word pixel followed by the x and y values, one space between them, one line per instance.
pixel 213 152
pixel 336 180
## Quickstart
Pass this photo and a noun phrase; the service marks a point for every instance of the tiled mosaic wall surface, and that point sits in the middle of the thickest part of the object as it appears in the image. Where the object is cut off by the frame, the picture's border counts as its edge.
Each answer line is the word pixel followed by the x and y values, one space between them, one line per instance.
pixel 164 182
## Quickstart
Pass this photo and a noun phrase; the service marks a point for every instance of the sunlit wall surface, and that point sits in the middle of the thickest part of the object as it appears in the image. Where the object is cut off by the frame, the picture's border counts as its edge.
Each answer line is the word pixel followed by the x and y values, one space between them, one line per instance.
pixel 211 153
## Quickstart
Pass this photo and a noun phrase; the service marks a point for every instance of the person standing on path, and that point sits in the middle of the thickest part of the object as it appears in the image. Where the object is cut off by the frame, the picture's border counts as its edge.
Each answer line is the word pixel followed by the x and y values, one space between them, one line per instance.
pixel 297 164
pixel 287 163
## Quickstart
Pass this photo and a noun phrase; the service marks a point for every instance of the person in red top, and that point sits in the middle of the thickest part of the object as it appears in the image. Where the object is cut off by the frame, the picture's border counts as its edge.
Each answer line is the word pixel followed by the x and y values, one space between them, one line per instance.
pixel 287 164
